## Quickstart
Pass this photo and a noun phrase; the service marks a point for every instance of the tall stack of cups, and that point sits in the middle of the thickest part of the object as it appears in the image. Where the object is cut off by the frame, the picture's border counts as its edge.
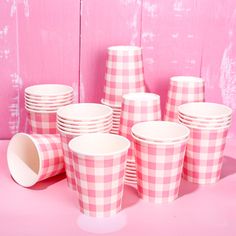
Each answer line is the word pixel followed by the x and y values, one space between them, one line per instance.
pixel 209 124
pixel 159 152
pixel 77 119
pixel 183 89
pixel 136 107
pixel 42 102
pixel 124 74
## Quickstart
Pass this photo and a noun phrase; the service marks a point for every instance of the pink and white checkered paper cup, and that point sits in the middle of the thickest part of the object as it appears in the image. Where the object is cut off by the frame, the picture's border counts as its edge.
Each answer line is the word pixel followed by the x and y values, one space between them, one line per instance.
pixel 204 155
pixel 99 163
pixel 32 158
pixel 124 73
pixel 78 119
pixel 137 107
pixel 42 122
pixel 159 163
pixel 183 89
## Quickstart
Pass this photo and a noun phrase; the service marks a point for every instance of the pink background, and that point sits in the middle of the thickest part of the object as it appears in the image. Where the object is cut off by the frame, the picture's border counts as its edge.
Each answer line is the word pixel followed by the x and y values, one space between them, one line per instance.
pixel 61 41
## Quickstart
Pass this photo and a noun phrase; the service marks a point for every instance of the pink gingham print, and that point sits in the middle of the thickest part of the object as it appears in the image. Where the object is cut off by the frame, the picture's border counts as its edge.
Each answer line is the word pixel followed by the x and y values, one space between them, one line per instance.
pixel 159 170
pixel 42 123
pixel 133 112
pixel 51 152
pixel 204 155
pixel 100 183
pixel 179 94
pixel 70 173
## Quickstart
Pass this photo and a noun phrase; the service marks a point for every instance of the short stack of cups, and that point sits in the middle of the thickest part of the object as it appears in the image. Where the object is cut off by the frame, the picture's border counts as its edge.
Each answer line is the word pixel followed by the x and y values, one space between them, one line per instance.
pixel 77 119
pixel 99 164
pixel 136 107
pixel 159 151
pixel 42 102
pixel 209 124
pixel 33 158
pixel 115 117
pixel 183 89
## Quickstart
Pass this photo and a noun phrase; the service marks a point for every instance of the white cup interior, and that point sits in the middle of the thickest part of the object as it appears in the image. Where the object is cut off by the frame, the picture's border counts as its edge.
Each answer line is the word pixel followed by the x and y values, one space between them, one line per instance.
pixel 23 159
pixel 163 131
pixel 187 79
pixel 141 97
pixel 84 111
pixel 48 90
pixel 204 109
pixel 99 144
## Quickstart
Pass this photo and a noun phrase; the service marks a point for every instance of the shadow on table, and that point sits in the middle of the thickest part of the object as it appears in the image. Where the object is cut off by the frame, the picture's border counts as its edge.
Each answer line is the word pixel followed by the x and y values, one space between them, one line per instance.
pixel 130 196
pixel 229 166
pixel 186 188
pixel 48 182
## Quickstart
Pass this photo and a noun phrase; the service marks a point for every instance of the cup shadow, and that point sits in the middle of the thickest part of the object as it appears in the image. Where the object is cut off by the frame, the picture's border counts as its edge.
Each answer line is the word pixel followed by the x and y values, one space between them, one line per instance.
pixel 187 188
pixel 229 167
pixel 130 196
pixel 48 182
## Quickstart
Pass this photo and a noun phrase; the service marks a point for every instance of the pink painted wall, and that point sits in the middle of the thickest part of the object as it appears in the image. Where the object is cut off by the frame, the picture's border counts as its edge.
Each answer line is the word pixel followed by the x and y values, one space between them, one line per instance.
pixel 65 42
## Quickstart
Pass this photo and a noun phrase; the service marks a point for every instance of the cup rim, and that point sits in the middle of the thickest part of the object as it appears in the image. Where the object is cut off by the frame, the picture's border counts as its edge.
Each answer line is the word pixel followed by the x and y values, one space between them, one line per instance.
pixel 90 153
pixel 159 143
pixel 142 130
pixel 201 125
pixel 66 112
pixel 39 154
pixel 42 112
pixel 49 102
pixel 200 108
pixel 140 97
pixel 48 89
pixel 186 79
pixel 124 48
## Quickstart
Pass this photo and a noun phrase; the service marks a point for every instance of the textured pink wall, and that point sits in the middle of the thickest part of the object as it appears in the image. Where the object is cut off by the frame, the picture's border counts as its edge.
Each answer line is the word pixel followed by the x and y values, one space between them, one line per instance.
pixel 65 41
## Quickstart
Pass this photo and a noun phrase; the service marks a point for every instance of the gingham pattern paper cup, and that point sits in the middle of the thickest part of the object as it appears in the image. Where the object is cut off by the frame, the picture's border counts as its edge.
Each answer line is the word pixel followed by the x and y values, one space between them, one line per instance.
pixel 137 107
pixel 78 119
pixel 32 158
pixel 183 89
pixel 124 73
pixel 159 161
pixel 99 163
pixel 42 102
pixel 42 122
pixel 204 155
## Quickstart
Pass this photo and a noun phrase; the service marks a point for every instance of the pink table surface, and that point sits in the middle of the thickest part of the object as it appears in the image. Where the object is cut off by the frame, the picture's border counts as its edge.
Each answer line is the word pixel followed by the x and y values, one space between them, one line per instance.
pixel 50 208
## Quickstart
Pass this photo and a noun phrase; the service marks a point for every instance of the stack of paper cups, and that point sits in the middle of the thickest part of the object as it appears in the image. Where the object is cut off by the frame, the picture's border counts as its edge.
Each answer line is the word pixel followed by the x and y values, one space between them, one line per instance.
pixel 209 124
pixel 77 119
pixel 42 102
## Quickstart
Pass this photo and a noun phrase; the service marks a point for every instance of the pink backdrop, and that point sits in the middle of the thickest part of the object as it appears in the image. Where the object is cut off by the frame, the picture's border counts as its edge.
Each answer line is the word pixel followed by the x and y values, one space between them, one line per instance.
pixel 61 41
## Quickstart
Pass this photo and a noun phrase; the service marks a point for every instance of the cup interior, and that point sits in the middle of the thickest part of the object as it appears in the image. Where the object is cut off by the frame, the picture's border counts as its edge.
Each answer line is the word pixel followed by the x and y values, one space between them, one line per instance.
pixel 163 131
pixel 84 112
pixel 204 110
pixel 23 159
pixel 99 144
pixel 48 90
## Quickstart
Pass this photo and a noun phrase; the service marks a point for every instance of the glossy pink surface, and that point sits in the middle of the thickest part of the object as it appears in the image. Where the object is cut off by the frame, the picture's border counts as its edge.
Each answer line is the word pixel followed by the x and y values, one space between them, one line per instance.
pixel 50 208
pixel 65 42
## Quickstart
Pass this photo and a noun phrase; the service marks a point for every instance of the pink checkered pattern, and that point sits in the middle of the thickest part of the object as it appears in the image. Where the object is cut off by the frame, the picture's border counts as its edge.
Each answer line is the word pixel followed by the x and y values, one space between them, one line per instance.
pixel 134 112
pixel 159 169
pixel 100 183
pixel 204 155
pixel 42 123
pixel 52 161
pixel 180 93
pixel 70 173
pixel 124 74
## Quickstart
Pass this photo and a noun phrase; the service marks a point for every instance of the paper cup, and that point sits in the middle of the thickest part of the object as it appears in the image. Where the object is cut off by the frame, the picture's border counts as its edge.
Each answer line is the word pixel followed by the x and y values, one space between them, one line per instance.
pixel 32 158
pixel 99 163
